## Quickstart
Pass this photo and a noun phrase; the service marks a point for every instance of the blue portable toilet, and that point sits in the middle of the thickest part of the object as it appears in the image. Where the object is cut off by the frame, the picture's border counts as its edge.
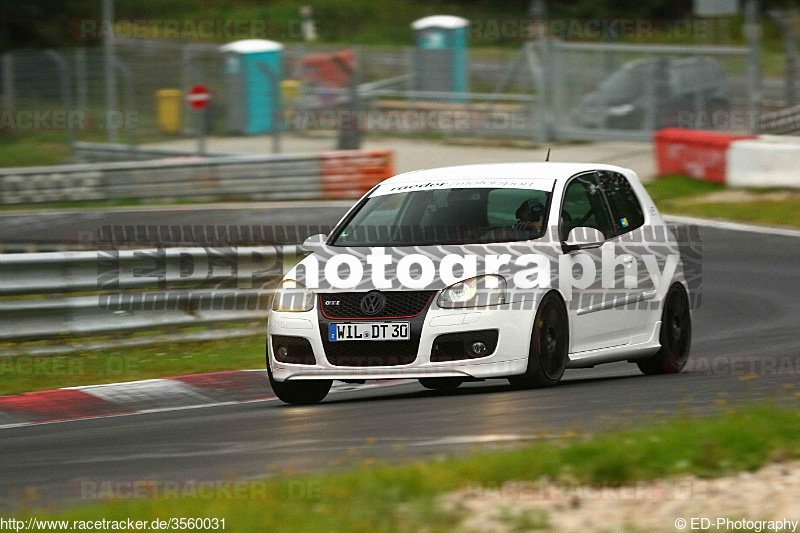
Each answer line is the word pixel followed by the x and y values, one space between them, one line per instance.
pixel 440 57
pixel 253 75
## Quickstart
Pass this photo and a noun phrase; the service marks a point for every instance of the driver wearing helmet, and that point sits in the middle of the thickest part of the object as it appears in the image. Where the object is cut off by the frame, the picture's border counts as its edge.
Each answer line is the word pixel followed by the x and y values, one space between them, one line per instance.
pixel 530 219
pixel 529 216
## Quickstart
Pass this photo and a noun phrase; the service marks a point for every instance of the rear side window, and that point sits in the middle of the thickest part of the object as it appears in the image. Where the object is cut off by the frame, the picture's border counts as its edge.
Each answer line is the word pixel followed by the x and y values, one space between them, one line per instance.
pixel 625 206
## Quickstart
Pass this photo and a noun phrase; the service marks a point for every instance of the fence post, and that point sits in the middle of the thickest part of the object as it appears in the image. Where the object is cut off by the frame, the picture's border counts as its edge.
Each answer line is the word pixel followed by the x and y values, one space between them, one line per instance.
pixel 66 90
pixel 549 84
pixel 790 48
pixel 753 34
pixel 349 133
pixel 8 81
pixel 558 72
pixel 81 84
pixel 411 82
pixel 186 82
pixel 110 71
pixel 650 95
pixel 130 107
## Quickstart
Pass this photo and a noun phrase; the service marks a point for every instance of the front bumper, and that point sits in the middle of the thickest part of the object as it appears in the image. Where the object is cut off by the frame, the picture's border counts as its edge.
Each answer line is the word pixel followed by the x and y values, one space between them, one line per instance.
pixel 509 358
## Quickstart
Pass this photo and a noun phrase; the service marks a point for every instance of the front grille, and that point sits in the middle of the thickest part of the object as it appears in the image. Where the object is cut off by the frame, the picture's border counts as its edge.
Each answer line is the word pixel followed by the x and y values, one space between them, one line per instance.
pixel 399 304
pixel 371 353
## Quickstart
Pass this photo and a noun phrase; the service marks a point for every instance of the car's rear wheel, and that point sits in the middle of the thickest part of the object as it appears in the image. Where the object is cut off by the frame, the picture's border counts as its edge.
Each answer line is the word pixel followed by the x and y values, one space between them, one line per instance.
pixel 300 392
pixel 441 383
pixel 547 355
pixel 675 336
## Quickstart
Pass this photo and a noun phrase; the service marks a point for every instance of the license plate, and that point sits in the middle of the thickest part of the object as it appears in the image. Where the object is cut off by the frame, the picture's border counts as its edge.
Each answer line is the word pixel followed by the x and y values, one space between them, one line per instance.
pixel 369 331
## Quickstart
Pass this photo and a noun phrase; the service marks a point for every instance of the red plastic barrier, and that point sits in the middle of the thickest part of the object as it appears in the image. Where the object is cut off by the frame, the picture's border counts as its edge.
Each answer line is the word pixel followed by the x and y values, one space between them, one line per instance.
pixel 351 173
pixel 696 153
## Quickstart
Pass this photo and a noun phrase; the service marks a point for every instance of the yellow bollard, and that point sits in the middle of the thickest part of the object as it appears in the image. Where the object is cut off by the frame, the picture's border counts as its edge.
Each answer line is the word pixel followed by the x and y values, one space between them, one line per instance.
pixel 290 89
pixel 170 106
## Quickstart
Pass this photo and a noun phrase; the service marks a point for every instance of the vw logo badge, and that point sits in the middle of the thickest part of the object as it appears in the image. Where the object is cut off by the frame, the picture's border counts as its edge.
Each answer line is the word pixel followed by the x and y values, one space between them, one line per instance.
pixel 373 303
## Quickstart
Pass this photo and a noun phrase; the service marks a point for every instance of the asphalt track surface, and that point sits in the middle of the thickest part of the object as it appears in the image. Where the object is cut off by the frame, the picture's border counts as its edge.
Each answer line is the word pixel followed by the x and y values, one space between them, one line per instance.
pixel 746 349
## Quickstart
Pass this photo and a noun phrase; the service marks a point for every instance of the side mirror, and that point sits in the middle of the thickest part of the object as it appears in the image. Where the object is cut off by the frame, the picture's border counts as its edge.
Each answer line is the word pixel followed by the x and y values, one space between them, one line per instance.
pixel 314 242
pixel 583 237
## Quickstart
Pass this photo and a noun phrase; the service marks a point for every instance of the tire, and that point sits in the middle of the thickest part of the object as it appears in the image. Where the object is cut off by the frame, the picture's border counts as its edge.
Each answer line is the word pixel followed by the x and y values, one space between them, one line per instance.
pixel 549 346
pixel 441 383
pixel 675 336
pixel 300 392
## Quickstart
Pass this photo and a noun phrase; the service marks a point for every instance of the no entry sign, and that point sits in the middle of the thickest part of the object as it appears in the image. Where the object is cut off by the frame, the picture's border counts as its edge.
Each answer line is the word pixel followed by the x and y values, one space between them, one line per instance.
pixel 199 96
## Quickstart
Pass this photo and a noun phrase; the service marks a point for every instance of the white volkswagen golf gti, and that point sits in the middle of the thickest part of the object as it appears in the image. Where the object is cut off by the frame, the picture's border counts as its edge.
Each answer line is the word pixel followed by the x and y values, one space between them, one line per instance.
pixel 513 270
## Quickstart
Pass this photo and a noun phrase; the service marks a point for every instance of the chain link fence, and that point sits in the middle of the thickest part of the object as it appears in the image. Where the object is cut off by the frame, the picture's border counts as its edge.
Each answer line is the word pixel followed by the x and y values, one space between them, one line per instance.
pixel 548 89
pixel 615 91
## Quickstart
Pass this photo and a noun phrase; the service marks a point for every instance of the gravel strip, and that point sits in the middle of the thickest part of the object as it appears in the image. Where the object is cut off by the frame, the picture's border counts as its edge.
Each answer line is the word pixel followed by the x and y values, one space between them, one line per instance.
pixel 772 493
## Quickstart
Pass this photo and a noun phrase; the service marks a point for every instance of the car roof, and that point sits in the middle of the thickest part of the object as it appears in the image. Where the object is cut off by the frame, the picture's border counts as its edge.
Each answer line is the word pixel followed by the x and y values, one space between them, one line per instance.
pixel 534 171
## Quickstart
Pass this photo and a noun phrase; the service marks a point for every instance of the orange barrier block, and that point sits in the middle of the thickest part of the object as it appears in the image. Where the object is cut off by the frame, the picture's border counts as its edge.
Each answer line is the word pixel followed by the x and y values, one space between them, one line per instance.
pixel 352 173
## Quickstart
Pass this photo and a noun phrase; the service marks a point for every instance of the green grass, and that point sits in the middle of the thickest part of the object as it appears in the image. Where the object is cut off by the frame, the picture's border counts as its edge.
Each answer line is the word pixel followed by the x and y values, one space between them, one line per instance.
pixel 372 498
pixel 32 373
pixel 41 149
pixel 679 195
pixel 774 212
pixel 667 189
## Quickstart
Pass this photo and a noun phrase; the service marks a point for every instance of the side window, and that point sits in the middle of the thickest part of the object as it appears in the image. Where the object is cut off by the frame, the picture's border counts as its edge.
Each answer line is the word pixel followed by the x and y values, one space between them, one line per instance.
pixel 625 206
pixel 504 205
pixel 584 206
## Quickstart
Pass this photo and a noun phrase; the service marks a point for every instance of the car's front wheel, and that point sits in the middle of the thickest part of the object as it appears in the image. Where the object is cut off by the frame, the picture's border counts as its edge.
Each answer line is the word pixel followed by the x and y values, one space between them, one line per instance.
pixel 300 392
pixel 547 355
pixel 675 337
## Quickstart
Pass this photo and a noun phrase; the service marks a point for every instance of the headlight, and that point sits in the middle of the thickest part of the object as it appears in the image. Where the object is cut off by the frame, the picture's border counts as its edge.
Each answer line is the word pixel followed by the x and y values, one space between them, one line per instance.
pixel 620 110
pixel 292 296
pixel 474 292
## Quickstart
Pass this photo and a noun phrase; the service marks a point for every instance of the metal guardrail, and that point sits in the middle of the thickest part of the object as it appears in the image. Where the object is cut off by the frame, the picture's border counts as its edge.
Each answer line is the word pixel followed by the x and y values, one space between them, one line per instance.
pixel 136 289
pixel 781 122
pixel 59 272
pixel 94 151
pixel 274 177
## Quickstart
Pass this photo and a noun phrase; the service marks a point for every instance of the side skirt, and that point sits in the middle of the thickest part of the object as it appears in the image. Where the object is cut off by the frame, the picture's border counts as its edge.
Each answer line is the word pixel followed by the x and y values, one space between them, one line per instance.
pixel 612 354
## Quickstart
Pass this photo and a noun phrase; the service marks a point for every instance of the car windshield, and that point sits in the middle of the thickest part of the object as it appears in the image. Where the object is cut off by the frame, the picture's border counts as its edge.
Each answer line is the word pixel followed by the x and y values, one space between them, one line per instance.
pixel 447 216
